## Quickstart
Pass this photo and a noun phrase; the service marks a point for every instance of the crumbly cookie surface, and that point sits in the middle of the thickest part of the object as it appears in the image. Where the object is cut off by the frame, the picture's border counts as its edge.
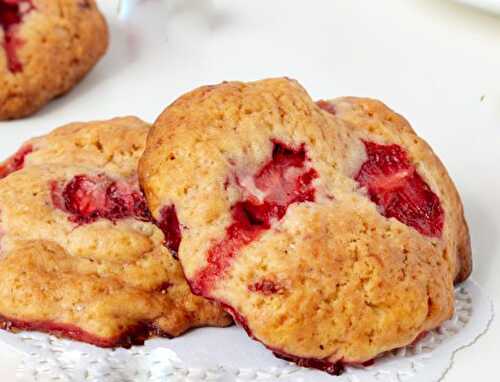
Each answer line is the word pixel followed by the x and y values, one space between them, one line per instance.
pixel 80 255
pixel 46 47
pixel 115 145
pixel 372 115
pixel 329 239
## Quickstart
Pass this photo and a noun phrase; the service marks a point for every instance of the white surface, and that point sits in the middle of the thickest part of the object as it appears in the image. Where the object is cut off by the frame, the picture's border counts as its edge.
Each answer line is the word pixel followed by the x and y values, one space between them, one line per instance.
pixel 192 356
pixel 431 60
pixel 487 5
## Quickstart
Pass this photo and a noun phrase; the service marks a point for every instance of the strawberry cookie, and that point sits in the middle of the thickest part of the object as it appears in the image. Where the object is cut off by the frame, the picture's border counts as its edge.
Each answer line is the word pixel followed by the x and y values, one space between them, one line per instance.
pixel 330 240
pixel 80 254
pixel 114 145
pixel 46 47
pixel 389 162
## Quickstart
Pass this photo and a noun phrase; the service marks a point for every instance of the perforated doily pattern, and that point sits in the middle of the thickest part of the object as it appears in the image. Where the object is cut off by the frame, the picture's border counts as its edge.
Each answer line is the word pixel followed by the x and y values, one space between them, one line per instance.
pixel 48 359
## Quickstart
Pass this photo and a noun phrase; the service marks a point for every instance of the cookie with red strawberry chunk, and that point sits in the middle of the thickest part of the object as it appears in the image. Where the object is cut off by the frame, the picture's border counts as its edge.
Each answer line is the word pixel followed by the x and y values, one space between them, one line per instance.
pixel 46 48
pixel 394 182
pixel 330 242
pixel 81 256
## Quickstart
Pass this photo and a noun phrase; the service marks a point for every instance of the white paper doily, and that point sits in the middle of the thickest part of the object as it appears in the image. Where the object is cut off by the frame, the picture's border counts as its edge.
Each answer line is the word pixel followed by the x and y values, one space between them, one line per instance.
pixel 227 355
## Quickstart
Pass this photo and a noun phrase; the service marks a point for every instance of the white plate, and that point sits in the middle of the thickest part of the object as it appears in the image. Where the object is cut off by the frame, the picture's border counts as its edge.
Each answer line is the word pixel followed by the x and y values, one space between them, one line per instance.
pixel 227 355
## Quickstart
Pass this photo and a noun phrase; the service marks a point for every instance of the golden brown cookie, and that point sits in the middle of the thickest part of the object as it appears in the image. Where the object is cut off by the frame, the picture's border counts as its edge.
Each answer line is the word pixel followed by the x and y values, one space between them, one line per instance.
pixel 80 254
pixel 114 145
pixel 372 115
pixel 329 241
pixel 46 47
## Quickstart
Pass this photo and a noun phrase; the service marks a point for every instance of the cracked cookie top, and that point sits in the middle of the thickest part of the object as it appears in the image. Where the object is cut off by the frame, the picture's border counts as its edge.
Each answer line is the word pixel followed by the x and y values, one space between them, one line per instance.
pixel 81 256
pixel 114 145
pixel 329 238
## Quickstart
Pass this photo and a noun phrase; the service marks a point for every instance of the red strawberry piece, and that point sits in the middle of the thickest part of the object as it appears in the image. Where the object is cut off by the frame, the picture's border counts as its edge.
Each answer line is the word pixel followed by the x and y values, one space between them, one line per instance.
pixel 266 287
pixel 15 162
pixel 123 200
pixel 88 198
pixel 333 368
pixel 169 224
pixel 11 15
pixel 400 192
pixel 284 180
pixel 327 106
pixel 133 335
